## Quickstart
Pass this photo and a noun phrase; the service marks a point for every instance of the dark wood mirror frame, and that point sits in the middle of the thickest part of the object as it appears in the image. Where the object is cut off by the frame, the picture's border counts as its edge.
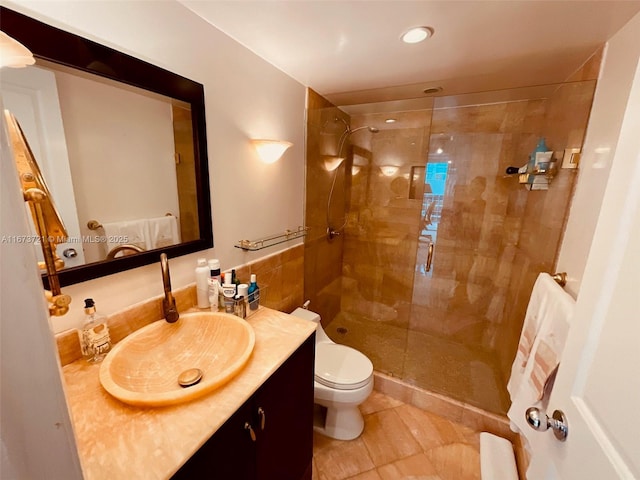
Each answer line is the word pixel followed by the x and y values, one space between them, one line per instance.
pixel 55 45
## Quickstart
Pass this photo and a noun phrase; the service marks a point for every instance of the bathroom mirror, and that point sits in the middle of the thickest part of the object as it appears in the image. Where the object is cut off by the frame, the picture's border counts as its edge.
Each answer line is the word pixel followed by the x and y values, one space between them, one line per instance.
pixel 131 148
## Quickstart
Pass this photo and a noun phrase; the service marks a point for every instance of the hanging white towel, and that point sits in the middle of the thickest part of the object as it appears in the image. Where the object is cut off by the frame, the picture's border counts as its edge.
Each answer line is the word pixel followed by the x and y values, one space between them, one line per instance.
pixel 542 341
pixel 133 232
pixel 548 313
pixel 163 231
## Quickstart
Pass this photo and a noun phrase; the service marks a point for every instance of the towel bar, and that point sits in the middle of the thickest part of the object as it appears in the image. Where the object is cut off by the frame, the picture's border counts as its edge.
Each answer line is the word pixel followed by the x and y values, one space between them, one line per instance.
pixel 95 225
pixel 560 278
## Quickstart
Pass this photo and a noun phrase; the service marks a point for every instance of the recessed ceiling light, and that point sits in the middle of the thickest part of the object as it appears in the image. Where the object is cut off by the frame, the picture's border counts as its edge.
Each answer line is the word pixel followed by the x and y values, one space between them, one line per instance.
pixel 390 120
pixel 431 90
pixel 417 34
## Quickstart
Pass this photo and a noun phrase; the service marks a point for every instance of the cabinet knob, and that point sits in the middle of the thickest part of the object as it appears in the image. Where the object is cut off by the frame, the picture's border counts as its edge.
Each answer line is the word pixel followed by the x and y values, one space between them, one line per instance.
pixel 263 417
pixel 252 434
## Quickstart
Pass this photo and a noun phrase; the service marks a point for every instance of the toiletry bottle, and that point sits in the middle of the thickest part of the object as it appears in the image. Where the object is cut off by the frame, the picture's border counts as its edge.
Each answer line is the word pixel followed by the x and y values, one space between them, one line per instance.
pixel 241 300
pixel 239 307
pixel 220 292
pixel 254 293
pixel 95 341
pixel 541 147
pixel 214 295
pixel 214 284
pixel 229 292
pixel 214 269
pixel 202 283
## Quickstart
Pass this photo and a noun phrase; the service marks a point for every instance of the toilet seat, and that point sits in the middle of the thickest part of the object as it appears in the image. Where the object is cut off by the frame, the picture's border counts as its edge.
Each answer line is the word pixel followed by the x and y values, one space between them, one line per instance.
pixel 341 367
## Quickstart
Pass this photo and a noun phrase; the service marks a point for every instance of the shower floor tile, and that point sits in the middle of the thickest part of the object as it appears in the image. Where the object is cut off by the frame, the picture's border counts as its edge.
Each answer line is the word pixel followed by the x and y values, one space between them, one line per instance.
pixel 427 361
pixel 399 441
pixel 455 370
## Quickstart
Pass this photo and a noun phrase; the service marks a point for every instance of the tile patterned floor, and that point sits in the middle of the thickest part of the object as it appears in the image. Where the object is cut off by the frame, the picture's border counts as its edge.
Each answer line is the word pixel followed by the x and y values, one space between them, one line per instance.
pixel 399 441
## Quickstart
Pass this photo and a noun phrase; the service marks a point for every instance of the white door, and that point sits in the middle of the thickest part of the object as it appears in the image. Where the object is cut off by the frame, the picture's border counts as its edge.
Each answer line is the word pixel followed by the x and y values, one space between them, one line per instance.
pixel 31 94
pixel 598 383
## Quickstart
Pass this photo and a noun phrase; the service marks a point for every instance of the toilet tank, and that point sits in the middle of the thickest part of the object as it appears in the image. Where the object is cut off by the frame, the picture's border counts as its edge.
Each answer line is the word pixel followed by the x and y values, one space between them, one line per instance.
pixel 306 315
pixel 312 317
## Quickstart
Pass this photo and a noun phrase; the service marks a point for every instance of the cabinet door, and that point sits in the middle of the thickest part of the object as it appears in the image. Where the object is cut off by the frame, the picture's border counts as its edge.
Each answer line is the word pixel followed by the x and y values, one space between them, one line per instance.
pixel 229 454
pixel 285 404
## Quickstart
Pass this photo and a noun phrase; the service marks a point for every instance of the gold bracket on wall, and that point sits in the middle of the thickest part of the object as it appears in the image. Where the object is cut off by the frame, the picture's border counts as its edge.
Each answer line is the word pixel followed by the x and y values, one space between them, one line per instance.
pixel 259 244
pixel 46 217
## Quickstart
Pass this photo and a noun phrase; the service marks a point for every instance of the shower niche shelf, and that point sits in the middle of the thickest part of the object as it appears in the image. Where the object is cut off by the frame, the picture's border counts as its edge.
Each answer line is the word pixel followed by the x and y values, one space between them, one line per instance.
pixel 275 239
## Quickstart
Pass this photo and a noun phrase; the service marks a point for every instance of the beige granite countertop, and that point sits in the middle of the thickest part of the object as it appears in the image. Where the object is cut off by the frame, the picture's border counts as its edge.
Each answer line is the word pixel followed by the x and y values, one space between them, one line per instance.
pixel 119 441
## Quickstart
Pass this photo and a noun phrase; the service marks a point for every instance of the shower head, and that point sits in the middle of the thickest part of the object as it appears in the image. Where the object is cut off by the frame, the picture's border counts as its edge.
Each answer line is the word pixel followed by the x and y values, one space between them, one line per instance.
pixel 348 132
pixel 371 129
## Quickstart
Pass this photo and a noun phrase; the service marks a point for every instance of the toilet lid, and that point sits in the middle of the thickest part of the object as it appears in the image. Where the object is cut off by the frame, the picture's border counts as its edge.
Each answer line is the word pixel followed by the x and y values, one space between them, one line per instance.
pixel 342 367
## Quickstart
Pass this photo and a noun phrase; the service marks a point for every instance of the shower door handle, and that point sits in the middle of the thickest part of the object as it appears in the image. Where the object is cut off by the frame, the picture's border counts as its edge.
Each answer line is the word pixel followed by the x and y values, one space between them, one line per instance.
pixel 427 267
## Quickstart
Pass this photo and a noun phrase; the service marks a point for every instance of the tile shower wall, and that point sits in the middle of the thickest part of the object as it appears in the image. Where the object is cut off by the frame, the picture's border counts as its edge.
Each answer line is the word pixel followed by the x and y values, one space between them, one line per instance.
pixel 454 329
pixel 323 258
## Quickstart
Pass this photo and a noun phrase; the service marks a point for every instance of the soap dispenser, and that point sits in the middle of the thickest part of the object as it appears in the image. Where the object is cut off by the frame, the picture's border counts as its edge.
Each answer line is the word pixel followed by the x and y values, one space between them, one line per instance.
pixel 95 341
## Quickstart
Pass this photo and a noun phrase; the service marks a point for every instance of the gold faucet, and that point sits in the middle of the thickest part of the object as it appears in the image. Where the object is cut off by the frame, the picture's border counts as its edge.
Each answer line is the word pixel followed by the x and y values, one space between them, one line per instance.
pixel 125 248
pixel 169 309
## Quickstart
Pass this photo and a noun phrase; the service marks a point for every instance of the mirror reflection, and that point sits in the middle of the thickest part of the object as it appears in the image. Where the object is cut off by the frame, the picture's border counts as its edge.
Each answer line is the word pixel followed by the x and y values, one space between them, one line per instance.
pixel 118 159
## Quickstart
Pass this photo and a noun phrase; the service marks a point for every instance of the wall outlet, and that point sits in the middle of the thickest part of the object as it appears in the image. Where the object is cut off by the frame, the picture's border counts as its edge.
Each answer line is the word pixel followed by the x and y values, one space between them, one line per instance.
pixel 571 158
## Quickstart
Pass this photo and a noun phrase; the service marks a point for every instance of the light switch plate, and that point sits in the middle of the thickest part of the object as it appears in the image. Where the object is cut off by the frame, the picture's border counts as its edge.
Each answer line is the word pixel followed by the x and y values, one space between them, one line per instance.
pixel 571 158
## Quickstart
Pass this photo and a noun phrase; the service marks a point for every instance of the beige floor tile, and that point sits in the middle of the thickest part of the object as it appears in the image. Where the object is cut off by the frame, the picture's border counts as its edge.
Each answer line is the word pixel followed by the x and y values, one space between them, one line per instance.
pixel 431 430
pixel 391 445
pixel 414 467
pixel 387 438
pixel 457 461
pixel 378 402
pixel 337 460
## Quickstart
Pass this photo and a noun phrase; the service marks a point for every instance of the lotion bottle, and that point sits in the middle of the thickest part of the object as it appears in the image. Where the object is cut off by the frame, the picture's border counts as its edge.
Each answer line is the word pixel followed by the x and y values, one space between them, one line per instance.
pixel 202 283
pixel 254 293
pixel 95 341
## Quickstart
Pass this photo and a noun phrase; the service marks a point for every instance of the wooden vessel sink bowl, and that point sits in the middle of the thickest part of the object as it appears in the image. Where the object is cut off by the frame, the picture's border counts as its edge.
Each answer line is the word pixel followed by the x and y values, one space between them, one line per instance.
pixel 143 369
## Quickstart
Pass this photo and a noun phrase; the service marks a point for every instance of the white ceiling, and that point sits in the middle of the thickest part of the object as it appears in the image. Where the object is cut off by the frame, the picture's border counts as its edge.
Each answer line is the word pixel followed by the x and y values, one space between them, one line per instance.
pixel 351 53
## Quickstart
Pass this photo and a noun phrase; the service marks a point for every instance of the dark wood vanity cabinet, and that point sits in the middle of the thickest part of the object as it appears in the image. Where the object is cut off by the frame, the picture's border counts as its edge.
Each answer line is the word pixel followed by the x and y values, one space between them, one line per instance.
pixel 270 437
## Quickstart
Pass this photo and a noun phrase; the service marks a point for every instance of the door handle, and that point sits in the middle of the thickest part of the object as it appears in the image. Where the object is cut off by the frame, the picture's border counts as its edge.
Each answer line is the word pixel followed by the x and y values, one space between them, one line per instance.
pixel 263 417
pixel 538 420
pixel 427 267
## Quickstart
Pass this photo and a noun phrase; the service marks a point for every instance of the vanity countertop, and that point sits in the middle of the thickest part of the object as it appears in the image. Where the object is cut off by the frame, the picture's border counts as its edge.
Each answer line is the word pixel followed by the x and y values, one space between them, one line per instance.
pixel 116 440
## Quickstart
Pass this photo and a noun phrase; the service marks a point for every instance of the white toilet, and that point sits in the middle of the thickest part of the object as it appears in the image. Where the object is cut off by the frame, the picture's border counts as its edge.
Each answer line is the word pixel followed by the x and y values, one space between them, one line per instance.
pixel 343 380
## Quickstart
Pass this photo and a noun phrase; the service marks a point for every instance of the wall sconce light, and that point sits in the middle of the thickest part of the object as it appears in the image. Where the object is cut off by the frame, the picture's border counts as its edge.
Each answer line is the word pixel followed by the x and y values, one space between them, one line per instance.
pixel 331 163
pixel 355 170
pixel 389 170
pixel 13 53
pixel 270 151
